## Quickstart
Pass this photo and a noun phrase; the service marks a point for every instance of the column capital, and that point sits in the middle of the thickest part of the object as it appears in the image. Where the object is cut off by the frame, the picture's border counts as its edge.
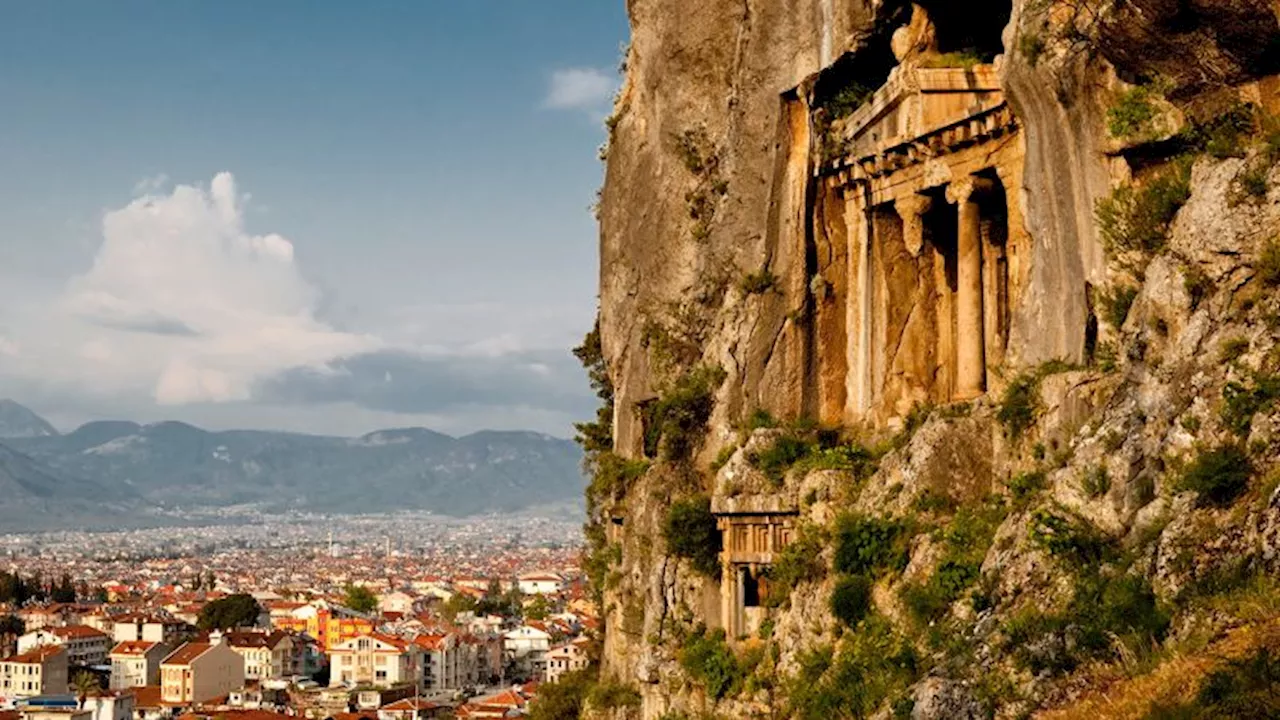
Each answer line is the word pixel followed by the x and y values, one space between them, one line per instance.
pixel 963 189
pixel 911 208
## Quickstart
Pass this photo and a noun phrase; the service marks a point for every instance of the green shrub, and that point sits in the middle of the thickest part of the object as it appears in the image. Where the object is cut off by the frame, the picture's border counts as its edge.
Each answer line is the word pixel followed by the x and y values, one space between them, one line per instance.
pixel 1133 115
pixel 1225 135
pixel 612 476
pixel 707 658
pixel 869 546
pixel 845 101
pixel 1254 181
pixel 1032 47
pixel 1116 303
pixel 675 423
pixel 612 694
pixel 1026 485
pixel 964 59
pixel 691 533
pixel 776 459
pixel 1241 402
pixel 853 458
pixel 966 539
pixel 931 599
pixel 1019 404
pixel 1197 284
pixel 758 283
pixel 1104 608
pixel 873 666
pixel 1096 481
pixel 851 599
pixel 565 698
pixel 1138 218
pixel 1268 266
pixel 800 561
pixel 1218 476
pixel 1071 539
pixel 760 419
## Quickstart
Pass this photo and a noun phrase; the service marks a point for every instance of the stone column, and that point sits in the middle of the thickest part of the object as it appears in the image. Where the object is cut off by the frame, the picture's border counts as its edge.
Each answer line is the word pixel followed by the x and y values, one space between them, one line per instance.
pixel 971 370
pixel 911 208
pixel 858 304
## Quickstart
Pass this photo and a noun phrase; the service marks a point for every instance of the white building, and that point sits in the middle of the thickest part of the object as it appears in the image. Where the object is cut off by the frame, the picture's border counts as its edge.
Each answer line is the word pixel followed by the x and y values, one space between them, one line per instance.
pixel 540 584
pixel 136 664
pixel 526 647
pixel 375 659
pixel 42 671
pixel 84 645
pixel 566 659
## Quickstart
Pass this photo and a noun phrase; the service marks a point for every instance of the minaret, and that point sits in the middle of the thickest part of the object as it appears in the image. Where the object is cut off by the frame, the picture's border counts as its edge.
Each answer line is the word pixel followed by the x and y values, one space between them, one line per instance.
pixel 331 542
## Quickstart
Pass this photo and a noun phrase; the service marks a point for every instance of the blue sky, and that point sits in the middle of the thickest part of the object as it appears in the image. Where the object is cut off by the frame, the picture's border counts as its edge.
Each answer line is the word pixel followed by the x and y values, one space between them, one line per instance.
pixel 317 216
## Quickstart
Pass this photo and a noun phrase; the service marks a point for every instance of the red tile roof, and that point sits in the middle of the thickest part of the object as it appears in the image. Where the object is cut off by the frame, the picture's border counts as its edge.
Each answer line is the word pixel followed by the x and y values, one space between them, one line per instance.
pixel 133 647
pixel 185 654
pixel 36 655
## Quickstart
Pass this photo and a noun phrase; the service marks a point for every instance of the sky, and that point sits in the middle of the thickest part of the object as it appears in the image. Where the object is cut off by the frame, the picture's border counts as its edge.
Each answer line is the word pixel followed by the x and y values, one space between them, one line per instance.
pixel 305 215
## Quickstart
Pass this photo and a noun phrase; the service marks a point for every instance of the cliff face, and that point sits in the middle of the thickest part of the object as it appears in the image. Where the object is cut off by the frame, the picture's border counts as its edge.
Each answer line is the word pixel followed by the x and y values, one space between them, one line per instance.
pixel 925 327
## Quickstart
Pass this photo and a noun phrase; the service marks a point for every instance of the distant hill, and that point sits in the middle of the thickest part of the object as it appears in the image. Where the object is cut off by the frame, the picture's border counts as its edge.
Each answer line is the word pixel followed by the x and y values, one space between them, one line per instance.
pixel 34 496
pixel 17 421
pixel 175 465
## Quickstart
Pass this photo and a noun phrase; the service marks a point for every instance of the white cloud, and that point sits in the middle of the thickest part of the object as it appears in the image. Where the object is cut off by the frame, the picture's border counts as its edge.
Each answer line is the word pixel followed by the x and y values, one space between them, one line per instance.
pixel 588 89
pixel 152 184
pixel 185 304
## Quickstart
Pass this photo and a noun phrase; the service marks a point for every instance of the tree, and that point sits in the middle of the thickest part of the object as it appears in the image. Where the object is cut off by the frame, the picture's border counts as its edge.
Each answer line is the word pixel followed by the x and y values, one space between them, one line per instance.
pixel 539 608
pixel 230 612
pixel 11 626
pixel 85 684
pixel 564 698
pixel 64 591
pixel 360 598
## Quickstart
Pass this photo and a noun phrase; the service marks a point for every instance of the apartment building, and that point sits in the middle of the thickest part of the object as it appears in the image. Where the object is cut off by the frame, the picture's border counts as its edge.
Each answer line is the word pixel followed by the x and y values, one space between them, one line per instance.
pixel 374 659
pixel 199 671
pixel 41 671
pixel 136 663
pixel 84 645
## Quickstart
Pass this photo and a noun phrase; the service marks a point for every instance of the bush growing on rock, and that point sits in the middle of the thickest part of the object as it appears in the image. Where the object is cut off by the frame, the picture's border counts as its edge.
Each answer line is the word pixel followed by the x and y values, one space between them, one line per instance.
pixel 675 423
pixel 691 533
pixel 1134 113
pixel 1136 218
pixel 801 561
pixel 707 658
pixel 868 546
pixel 1219 475
pixel 1241 402
pixel 851 599
pixel 1268 266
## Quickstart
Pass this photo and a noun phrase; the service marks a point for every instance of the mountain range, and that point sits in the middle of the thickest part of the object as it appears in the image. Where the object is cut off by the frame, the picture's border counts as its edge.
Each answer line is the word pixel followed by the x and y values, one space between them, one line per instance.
pixel 172 466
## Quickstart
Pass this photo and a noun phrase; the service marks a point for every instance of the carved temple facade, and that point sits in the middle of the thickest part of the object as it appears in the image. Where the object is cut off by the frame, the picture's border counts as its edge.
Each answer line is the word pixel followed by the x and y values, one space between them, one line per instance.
pixel 753 529
pixel 922 198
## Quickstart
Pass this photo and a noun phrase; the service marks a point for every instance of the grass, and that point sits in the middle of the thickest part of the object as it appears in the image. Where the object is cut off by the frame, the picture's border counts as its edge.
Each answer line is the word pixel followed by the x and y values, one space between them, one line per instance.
pixel 1137 218
pixel 1232 349
pixel 1025 486
pixel 691 533
pixel 965 59
pixel 1218 476
pixel 1245 689
pixel 1019 405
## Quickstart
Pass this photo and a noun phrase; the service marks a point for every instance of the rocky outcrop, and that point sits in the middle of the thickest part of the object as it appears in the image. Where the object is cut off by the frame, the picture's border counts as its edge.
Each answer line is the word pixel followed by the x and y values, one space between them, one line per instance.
pixel 841 205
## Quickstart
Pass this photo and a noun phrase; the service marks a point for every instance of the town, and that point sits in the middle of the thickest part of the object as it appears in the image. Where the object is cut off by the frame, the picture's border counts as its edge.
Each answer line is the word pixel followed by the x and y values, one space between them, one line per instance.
pixel 346 617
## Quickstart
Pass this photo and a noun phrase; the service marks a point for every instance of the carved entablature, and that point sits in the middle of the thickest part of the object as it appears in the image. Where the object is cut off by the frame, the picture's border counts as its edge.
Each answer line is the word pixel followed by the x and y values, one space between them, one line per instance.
pixel 753 530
